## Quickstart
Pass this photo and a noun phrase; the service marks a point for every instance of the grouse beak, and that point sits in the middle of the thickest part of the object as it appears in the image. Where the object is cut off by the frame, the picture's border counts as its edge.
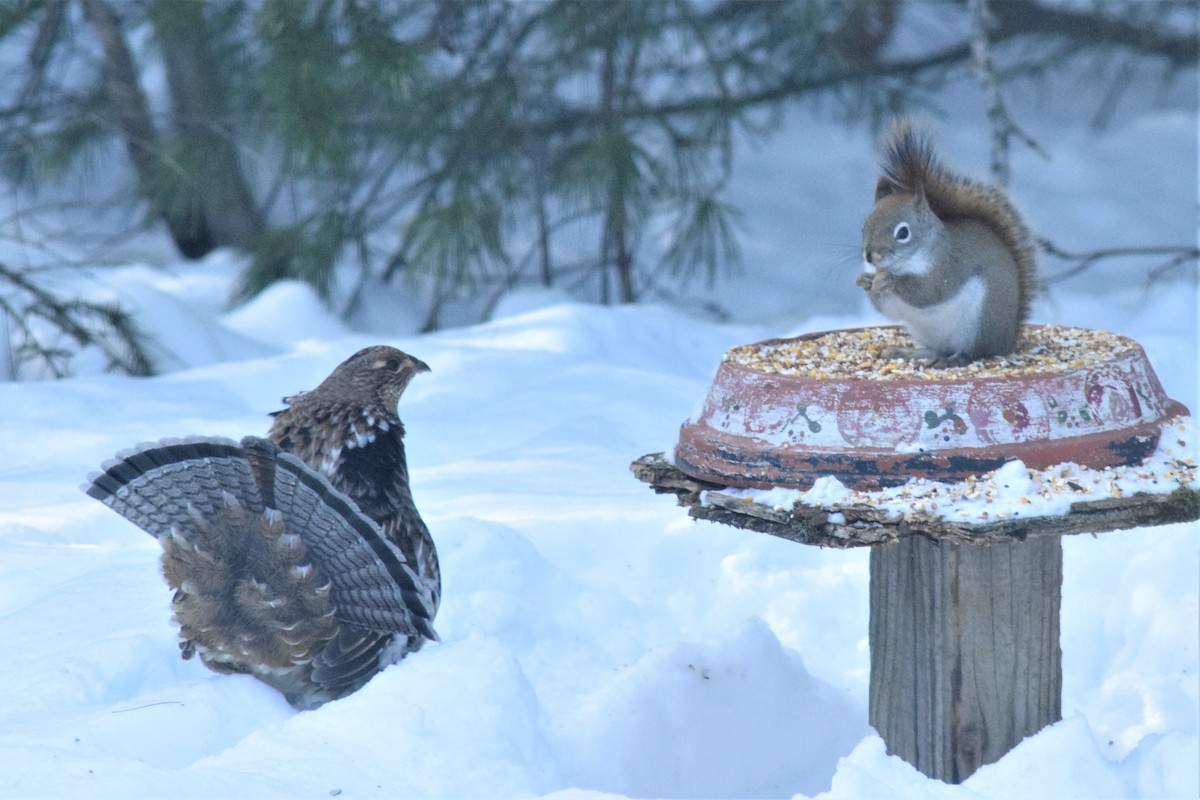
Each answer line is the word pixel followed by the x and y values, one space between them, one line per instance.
pixel 419 366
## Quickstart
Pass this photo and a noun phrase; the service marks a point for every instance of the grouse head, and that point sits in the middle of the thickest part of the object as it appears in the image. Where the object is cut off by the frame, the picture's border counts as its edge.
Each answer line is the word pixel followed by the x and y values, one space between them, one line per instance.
pixel 374 376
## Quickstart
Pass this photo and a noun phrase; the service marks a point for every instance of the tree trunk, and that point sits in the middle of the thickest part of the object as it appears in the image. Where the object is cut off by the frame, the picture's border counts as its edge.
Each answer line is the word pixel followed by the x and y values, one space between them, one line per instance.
pixel 124 91
pixel 615 248
pixel 204 210
pixel 965 658
pixel 224 206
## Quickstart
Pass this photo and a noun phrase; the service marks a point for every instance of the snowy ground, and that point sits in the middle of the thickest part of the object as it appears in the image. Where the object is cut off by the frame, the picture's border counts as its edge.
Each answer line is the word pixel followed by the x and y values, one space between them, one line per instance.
pixel 594 640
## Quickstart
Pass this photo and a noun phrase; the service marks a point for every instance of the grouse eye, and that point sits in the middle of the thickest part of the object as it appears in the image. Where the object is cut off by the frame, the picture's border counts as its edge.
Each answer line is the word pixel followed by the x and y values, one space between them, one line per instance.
pixel 902 233
pixel 393 365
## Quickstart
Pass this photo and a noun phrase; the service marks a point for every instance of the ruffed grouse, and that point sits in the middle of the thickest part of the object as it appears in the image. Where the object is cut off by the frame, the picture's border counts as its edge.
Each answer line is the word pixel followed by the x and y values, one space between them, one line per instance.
pixel 300 558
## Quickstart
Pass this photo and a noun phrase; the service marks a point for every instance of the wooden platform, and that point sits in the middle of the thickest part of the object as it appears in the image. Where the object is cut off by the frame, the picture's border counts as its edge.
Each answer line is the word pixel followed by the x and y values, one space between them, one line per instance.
pixel 864 525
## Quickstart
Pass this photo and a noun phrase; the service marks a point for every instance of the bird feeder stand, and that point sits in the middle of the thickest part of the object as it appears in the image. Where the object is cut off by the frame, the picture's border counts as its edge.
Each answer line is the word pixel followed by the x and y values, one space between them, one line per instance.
pixel 964 625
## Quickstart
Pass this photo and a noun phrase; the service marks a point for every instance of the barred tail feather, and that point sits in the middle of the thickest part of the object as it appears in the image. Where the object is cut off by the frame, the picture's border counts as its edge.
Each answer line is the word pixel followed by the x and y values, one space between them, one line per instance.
pixel 154 485
pixel 202 491
pixel 374 587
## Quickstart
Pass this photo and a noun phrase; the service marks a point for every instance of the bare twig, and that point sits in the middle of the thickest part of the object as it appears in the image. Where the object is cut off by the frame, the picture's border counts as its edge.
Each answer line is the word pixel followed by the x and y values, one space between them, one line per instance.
pixel 1174 257
pixel 1003 127
pixel 147 705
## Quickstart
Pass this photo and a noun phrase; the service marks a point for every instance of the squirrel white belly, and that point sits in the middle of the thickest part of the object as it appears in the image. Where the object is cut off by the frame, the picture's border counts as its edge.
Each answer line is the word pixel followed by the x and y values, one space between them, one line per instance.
pixel 948 257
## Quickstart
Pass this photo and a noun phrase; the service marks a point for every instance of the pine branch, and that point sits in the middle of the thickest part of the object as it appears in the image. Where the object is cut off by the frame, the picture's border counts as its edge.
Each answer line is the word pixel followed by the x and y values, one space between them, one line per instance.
pixel 101 325
pixel 1094 28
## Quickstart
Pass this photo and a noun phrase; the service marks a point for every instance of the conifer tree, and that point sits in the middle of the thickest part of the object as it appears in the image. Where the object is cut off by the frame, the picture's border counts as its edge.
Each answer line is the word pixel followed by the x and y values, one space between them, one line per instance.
pixel 469 146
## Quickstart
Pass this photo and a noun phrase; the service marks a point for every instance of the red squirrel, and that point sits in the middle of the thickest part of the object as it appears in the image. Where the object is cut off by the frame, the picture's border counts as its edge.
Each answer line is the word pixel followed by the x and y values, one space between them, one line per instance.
pixel 948 257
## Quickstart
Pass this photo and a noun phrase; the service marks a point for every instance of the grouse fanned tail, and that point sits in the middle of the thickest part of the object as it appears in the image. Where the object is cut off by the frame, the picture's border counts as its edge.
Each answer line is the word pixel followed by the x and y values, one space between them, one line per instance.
pixel 309 569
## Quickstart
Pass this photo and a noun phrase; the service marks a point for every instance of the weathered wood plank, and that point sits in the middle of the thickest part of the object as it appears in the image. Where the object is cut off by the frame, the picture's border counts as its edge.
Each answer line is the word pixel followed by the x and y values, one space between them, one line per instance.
pixel 665 479
pixel 864 526
pixel 965 659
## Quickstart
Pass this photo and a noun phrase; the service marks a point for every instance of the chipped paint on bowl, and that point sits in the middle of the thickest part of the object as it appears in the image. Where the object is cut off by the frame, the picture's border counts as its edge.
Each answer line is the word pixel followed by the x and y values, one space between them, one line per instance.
pixel 760 429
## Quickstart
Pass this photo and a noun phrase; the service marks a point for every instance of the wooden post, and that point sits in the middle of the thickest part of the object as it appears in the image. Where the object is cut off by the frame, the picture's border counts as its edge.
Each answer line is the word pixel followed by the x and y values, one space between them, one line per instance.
pixel 965 659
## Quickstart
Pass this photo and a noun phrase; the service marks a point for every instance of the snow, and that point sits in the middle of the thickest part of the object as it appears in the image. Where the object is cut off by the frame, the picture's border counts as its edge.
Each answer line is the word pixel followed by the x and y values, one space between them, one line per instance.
pixel 1011 491
pixel 594 641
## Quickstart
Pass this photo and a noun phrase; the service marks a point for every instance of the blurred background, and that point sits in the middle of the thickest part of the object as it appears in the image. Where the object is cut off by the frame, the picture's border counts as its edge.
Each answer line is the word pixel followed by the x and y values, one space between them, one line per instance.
pixel 417 164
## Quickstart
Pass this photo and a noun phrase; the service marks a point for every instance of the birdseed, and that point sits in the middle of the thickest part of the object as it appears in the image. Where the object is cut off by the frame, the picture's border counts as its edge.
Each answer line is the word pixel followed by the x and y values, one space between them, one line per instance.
pixel 858 353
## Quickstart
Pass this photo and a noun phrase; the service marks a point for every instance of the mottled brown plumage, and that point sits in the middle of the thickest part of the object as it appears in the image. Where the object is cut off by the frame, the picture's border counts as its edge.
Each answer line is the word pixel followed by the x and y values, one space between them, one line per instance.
pixel 300 559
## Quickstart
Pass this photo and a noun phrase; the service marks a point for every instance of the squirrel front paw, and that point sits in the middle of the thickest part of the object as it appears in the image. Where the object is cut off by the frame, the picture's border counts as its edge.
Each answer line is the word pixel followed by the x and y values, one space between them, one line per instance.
pixel 876 284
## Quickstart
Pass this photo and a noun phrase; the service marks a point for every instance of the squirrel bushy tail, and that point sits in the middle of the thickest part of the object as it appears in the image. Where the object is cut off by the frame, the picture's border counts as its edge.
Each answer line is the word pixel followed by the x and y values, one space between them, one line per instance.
pixel 909 166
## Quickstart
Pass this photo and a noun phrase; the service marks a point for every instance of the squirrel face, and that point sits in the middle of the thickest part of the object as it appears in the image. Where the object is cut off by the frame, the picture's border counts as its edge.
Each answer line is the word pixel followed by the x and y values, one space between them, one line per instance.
pixel 899 235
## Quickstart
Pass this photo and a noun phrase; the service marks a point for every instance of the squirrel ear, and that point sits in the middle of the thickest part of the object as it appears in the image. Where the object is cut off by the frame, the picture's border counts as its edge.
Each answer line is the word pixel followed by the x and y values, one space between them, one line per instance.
pixel 884 188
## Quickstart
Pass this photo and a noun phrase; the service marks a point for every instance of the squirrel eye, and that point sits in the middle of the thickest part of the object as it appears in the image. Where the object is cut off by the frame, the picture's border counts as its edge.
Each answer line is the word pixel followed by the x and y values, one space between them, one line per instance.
pixel 902 233
pixel 393 365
